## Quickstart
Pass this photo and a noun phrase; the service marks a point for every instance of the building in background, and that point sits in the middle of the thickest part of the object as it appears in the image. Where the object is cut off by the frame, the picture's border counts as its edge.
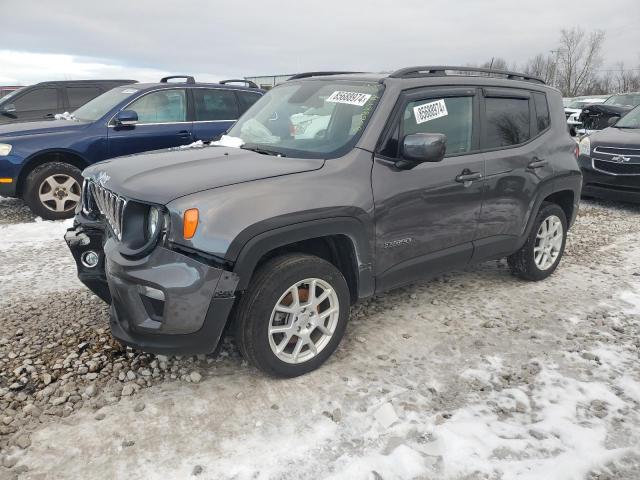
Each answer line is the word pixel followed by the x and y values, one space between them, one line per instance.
pixel 269 81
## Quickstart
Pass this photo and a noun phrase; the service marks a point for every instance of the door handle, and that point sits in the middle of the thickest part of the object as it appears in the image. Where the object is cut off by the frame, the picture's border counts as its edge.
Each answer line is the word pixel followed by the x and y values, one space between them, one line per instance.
pixel 49 115
pixel 468 176
pixel 537 163
pixel 184 134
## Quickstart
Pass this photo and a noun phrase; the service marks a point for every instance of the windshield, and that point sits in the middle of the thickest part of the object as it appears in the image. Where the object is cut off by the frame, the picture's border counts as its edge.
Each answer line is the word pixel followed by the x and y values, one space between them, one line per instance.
pixel 100 106
pixel 12 94
pixel 310 119
pixel 624 100
pixel 630 120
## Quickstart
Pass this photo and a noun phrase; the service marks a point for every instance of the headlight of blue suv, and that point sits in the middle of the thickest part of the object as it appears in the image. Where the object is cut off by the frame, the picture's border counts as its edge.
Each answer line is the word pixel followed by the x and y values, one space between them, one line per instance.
pixel 5 149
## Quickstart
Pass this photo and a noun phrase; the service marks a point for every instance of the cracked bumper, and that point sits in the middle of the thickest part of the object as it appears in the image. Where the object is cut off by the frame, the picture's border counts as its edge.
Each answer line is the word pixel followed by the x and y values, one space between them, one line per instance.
pixel 165 302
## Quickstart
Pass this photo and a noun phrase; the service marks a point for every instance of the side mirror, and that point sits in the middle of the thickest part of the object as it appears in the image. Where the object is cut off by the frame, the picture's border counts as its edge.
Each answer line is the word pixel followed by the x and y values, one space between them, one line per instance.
pixel 612 121
pixel 422 147
pixel 573 132
pixel 8 109
pixel 126 118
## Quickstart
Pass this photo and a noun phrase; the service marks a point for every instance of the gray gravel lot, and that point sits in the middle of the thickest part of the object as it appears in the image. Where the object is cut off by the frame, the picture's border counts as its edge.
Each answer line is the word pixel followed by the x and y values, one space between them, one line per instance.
pixel 473 351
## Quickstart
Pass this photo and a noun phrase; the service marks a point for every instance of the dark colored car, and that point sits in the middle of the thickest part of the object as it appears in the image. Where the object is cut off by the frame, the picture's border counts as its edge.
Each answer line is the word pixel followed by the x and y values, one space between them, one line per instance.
pixel 601 115
pixel 610 160
pixel 41 161
pixel 418 172
pixel 7 89
pixel 43 101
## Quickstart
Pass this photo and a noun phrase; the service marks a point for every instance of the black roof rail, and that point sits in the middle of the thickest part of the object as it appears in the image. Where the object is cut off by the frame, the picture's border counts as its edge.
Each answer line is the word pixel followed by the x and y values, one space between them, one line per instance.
pixel 188 78
pixel 317 74
pixel 441 71
pixel 249 83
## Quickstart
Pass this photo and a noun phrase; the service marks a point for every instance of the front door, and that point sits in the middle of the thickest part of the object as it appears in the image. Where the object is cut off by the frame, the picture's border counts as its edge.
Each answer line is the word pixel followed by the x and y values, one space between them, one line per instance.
pixel 162 123
pixel 40 103
pixel 426 217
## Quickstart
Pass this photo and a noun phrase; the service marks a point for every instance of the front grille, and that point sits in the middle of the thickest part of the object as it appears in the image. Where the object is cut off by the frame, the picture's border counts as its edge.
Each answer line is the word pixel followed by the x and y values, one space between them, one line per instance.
pixel 109 204
pixel 616 168
pixel 616 151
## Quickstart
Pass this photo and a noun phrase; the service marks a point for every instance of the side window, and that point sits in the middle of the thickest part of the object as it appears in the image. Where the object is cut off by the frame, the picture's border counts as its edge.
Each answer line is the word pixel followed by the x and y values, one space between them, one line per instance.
pixel 164 106
pixel 246 100
pixel 507 121
pixel 39 99
pixel 78 96
pixel 452 116
pixel 215 104
pixel 542 111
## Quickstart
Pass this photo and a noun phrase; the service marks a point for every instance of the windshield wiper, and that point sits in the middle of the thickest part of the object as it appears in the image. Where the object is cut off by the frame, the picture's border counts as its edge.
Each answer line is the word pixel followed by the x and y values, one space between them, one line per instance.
pixel 261 150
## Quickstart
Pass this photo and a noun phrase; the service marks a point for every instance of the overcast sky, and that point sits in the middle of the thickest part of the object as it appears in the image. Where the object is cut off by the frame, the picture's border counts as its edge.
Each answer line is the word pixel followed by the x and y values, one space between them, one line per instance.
pixel 144 39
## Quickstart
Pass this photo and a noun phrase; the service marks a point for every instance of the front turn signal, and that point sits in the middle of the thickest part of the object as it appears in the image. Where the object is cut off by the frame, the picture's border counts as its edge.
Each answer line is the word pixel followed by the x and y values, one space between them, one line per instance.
pixel 190 223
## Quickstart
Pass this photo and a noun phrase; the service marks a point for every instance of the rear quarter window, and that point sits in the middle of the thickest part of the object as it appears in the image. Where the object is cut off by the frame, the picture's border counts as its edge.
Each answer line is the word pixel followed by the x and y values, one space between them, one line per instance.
pixel 507 122
pixel 543 119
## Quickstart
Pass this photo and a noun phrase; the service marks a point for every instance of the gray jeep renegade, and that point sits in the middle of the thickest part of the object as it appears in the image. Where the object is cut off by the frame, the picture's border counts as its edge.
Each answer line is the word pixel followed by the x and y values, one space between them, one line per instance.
pixel 330 189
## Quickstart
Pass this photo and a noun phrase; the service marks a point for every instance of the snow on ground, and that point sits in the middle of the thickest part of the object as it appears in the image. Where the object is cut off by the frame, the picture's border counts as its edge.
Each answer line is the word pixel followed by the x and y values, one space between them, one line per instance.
pixel 32 255
pixel 475 375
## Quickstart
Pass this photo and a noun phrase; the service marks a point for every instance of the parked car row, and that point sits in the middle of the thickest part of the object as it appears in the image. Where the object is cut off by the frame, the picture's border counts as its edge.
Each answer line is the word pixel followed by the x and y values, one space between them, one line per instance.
pixel 589 114
pixel 41 162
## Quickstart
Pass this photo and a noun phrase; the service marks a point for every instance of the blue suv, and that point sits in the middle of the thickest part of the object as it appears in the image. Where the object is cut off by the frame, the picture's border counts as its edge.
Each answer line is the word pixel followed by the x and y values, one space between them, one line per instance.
pixel 41 162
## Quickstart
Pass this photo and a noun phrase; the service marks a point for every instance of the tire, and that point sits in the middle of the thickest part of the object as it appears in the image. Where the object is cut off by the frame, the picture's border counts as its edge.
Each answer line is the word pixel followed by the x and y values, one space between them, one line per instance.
pixel 529 264
pixel 49 179
pixel 272 287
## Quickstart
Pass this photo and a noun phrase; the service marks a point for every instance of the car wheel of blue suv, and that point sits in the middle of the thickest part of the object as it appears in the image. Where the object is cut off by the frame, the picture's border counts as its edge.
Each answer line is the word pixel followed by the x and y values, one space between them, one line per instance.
pixel 52 190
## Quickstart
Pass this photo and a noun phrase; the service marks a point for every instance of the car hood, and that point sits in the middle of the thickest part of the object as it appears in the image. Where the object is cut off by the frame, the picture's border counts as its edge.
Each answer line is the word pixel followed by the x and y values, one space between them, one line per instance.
pixel 162 176
pixel 39 128
pixel 617 137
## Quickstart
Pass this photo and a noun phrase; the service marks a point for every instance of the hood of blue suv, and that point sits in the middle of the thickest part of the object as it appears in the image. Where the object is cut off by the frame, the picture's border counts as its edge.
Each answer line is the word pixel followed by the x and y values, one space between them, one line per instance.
pixel 39 128
pixel 162 176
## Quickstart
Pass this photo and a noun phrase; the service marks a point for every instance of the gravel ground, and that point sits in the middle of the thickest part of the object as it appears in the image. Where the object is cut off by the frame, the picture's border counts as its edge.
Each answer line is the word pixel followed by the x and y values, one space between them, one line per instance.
pixel 474 375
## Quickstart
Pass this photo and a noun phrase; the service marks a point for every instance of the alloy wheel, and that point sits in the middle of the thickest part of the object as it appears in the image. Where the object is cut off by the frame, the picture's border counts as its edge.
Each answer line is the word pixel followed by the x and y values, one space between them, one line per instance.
pixel 59 193
pixel 548 242
pixel 303 320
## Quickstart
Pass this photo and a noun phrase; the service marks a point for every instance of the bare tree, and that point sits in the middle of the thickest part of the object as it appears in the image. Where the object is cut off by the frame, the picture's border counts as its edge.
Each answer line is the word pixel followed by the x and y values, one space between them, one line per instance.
pixel 541 66
pixel 578 58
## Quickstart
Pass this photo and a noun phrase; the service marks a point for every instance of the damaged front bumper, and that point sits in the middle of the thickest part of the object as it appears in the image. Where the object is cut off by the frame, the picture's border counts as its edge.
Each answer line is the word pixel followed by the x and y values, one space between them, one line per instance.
pixel 165 302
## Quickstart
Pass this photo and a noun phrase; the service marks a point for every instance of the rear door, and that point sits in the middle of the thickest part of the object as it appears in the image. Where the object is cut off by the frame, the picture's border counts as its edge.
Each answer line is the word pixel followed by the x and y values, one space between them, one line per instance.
pixel 162 123
pixel 515 124
pixel 426 217
pixel 214 111
pixel 40 103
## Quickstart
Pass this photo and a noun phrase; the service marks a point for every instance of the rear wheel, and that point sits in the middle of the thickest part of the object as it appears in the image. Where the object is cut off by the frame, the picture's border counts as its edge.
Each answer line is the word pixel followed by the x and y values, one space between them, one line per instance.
pixel 540 255
pixel 52 190
pixel 293 316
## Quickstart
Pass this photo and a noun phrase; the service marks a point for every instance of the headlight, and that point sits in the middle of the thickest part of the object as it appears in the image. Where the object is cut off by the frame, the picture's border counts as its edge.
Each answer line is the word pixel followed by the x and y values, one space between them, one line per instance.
pixel 585 146
pixel 5 149
pixel 153 222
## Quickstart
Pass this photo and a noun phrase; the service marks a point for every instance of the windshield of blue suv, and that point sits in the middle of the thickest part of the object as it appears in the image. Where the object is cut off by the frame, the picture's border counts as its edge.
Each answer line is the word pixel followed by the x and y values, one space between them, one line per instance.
pixel 309 119
pixel 102 104
pixel 630 120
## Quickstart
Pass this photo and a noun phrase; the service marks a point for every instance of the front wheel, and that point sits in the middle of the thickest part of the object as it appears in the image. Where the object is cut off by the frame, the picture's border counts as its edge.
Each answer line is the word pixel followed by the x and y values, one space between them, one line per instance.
pixel 540 255
pixel 293 315
pixel 52 190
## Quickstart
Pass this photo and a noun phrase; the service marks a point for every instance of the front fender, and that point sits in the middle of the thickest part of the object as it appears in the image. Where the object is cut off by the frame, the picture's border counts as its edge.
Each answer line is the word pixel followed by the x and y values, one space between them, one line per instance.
pixel 252 250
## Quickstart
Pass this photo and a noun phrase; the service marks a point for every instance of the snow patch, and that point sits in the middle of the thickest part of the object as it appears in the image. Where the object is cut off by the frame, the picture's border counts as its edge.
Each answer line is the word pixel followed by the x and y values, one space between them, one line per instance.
pixel 229 141
pixel 29 235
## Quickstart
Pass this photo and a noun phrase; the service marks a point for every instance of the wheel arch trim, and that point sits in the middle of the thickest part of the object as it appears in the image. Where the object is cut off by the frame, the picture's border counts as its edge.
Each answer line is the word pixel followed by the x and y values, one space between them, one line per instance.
pixel 253 250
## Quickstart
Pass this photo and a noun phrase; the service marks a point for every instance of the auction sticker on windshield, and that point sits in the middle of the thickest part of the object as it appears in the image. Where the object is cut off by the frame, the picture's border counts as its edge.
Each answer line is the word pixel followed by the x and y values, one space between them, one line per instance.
pixel 430 111
pixel 350 98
